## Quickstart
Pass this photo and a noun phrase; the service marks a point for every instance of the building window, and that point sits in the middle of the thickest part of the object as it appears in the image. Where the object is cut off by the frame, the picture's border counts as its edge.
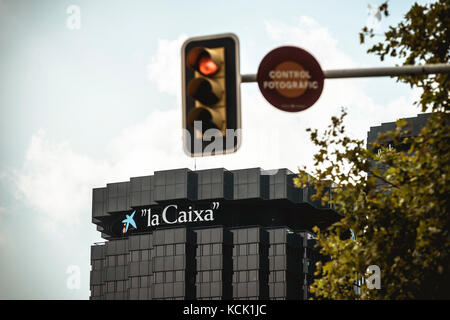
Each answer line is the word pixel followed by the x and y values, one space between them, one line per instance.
pixel 97 264
pixel 111 261
pixel 279 249
pixel 279 276
pixel 243 276
pixel 169 250
pixel 217 248
pixel 97 290
pixel 206 250
pixel 206 276
pixel 144 282
pixel 216 275
pixel 111 286
pixel 120 286
pixel 159 277
pixel 179 276
pixel 253 248
pixel 169 276
pixel 135 255
pixel 160 251
pixel 135 282
pixel 179 249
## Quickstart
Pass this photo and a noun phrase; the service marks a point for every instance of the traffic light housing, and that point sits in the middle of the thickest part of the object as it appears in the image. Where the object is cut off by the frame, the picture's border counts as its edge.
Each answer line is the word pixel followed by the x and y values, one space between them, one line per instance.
pixel 211 95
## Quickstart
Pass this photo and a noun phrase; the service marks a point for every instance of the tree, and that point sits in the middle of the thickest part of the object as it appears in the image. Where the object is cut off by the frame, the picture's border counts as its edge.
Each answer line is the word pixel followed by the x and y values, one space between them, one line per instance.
pixel 395 203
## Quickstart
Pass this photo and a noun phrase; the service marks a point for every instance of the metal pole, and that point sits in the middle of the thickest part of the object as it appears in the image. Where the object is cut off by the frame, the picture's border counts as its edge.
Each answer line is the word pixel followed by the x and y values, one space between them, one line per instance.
pixel 248 77
pixel 375 72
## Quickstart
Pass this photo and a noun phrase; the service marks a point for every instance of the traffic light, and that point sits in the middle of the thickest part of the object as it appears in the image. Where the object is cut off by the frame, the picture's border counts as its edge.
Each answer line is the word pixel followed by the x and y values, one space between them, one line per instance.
pixel 211 95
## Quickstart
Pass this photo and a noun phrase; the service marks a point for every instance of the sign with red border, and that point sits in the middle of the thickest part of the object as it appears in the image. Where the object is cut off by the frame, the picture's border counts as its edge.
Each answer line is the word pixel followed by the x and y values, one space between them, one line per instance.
pixel 290 79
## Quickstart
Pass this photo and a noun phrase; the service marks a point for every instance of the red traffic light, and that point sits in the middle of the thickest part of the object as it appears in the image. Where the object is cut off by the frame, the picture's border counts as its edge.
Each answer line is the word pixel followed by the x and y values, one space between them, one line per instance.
pixel 206 65
pixel 204 61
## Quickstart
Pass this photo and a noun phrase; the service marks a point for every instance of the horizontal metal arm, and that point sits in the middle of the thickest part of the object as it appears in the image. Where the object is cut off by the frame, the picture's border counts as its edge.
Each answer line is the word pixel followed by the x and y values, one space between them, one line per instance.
pixel 375 72
pixel 248 77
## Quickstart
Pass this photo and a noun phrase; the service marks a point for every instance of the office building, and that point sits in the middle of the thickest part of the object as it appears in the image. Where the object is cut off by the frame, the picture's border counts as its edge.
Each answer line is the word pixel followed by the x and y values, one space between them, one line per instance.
pixel 206 234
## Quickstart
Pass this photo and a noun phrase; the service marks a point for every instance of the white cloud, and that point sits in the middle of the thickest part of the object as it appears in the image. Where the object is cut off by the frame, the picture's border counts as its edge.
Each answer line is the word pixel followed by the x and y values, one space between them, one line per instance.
pixel 148 145
pixel 58 181
pixel 312 37
pixel 165 66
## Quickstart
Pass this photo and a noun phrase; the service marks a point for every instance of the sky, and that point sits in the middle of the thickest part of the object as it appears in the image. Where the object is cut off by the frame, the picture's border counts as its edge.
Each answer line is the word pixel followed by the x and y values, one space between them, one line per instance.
pixel 83 107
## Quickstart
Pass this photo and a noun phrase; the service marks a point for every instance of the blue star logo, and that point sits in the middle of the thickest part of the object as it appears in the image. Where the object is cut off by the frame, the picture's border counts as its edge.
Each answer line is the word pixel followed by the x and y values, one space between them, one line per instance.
pixel 129 220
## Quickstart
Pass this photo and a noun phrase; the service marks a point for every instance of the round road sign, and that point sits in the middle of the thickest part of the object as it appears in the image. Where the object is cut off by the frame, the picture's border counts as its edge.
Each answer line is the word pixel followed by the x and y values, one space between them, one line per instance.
pixel 290 78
